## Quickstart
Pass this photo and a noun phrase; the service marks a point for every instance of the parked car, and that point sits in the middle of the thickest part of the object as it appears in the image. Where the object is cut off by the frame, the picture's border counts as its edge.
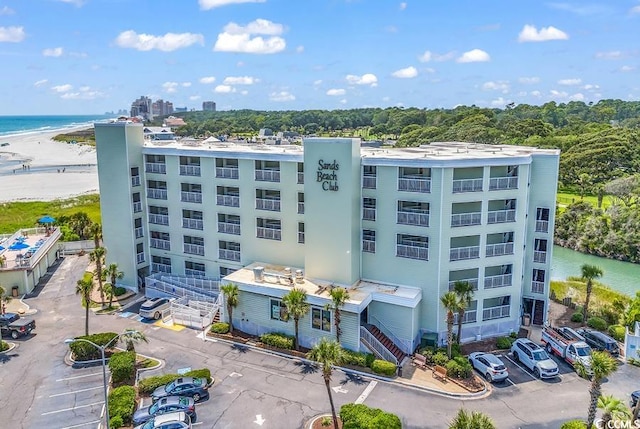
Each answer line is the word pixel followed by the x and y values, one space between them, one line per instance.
pixel 153 308
pixel 599 341
pixel 166 405
pixel 489 365
pixel 15 326
pixel 634 398
pixel 534 357
pixel 194 387
pixel 179 420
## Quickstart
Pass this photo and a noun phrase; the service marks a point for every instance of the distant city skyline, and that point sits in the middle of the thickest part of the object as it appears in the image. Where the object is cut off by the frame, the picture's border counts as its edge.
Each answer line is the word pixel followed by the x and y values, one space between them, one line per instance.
pixel 79 56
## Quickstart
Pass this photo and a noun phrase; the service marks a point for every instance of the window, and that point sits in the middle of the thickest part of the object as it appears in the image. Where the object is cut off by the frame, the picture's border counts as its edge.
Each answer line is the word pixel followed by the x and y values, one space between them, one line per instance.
pixel 278 310
pixel 368 241
pixel 321 319
pixel 225 271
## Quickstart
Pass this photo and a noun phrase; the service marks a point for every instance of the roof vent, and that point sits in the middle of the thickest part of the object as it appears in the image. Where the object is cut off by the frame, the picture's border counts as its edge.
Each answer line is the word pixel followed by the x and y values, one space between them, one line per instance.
pixel 299 276
pixel 258 274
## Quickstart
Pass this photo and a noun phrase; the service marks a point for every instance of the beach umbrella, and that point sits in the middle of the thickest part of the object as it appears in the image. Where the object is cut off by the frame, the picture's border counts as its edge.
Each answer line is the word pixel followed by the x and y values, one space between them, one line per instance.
pixel 18 246
pixel 46 219
pixel 1 248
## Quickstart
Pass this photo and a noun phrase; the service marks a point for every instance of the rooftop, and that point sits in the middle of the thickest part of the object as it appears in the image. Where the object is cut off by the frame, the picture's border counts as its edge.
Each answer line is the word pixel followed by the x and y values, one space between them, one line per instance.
pixel 26 247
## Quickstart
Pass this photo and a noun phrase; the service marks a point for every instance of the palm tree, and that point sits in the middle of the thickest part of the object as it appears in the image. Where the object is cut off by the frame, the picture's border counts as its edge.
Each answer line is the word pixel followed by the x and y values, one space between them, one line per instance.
pixel 471 420
pixel 339 296
pixel 602 365
pixel 114 274
pixel 84 289
pixel 464 292
pixel 450 302
pixel 327 353
pixel 95 230
pixel 297 307
pixel 589 273
pixel 4 299
pixel 230 292
pixel 612 409
pixel 97 256
pixel 130 337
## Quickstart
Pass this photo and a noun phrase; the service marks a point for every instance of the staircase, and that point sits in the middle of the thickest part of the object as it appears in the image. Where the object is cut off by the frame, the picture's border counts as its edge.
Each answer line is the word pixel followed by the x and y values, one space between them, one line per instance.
pixel 216 318
pixel 538 313
pixel 386 342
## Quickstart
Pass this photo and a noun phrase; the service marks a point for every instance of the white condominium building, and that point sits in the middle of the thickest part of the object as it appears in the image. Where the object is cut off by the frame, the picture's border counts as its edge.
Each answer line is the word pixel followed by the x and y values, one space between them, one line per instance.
pixel 396 227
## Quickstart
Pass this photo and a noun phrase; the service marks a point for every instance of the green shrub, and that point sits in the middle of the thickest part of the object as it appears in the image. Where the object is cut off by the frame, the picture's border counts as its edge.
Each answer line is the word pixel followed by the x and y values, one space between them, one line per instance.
pixel 370 359
pixel 149 384
pixel 574 424
pixel 611 316
pixel 456 350
pixel 359 416
pixel 3 346
pixel 440 358
pixel 383 367
pixel 279 340
pixel 122 403
pixel 200 373
pixel 122 366
pixel 459 367
pixel 220 328
pixel 83 351
pixel 577 317
pixel 597 323
pixel 350 357
pixel 428 355
pixel 119 290
pixel 617 332
pixel 504 342
pixel 513 335
pixel 116 422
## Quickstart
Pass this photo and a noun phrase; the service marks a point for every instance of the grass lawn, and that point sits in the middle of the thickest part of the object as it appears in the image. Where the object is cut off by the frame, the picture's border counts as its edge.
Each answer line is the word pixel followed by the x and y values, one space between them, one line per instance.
pixel 576 289
pixel 565 199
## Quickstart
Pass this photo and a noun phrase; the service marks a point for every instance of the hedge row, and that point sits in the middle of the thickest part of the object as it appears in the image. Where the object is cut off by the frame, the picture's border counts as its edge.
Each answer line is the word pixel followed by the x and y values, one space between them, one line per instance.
pixel 359 416
pixel 220 328
pixel 279 340
pixel 83 351
pixel 122 366
pixel 383 367
pixel 122 403
pixel 364 360
pixel 147 385
pixel 617 332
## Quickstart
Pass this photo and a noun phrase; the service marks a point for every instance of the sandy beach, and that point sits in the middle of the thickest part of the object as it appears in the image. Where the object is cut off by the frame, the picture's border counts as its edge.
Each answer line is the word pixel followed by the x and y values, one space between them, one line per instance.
pixel 35 168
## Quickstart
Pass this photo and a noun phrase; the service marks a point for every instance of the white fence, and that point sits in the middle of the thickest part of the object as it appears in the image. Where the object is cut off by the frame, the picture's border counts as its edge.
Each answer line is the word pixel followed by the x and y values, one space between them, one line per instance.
pixel 75 247
pixel 195 314
pixel 632 343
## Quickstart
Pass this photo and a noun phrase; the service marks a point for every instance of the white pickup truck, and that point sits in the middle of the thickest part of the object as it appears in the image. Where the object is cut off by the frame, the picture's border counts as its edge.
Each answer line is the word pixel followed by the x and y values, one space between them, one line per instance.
pixel 566 343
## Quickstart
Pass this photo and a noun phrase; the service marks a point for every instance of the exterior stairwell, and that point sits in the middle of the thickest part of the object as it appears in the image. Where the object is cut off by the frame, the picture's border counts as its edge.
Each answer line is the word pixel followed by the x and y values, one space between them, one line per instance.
pixel 538 314
pixel 386 342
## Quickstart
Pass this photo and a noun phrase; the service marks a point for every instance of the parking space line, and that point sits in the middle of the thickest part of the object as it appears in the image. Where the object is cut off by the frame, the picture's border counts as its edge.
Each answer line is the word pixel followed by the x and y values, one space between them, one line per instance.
pixel 71 409
pixel 525 371
pixel 366 392
pixel 76 391
pixel 80 376
pixel 509 380
pixel 82 424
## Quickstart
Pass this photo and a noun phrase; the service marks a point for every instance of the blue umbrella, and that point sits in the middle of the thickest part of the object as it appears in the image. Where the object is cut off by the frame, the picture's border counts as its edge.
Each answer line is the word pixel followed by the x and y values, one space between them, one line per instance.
pixel 18 246
pixel 1 248
pixel 46 219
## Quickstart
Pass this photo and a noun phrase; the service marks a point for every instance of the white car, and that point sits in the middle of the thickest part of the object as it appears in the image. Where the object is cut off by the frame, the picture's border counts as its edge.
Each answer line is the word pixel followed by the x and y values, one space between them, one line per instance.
pixel 154 307
pixel 179 420
pixel 534 357
pixel 489 365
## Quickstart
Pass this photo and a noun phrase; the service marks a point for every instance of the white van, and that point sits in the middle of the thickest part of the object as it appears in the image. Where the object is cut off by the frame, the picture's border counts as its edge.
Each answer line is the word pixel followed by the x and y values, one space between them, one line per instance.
pixel 154 307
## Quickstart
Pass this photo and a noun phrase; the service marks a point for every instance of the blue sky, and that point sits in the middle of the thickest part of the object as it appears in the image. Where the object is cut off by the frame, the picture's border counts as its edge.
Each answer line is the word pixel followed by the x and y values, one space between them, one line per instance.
pixel 93 56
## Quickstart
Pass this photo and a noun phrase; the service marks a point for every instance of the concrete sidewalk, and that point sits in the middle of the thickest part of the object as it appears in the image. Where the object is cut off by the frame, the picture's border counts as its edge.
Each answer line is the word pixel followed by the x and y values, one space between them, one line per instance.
pixel 17 305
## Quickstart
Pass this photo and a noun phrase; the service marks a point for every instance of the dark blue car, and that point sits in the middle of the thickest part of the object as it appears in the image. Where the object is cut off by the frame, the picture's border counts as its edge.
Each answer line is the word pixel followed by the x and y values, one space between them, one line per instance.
pixel 194 387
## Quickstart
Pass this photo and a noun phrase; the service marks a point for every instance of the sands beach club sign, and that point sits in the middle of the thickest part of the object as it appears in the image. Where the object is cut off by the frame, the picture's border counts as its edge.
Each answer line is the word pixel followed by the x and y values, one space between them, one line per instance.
pixel 327 175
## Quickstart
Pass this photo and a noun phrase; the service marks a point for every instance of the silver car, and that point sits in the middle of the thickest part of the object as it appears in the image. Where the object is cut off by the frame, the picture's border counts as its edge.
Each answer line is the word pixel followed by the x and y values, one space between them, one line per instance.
pixel 177 420
pixel 489 365
pixel 154 307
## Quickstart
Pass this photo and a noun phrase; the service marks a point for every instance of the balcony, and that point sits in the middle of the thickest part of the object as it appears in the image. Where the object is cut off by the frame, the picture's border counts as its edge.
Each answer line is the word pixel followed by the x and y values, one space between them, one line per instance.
pixel 157 194
pixel 540 257
pixel 472 282
pixel 269 233
pixel 193 249
pixel 499 249
pixel 537 287
pixel 192 223
pixel 496 312
pixel 158 219
pixel 135 181
pixel 466 219
pixel 502 280
pixel 157 243
pixel 300 208
pixel 139 232
pixel 501 183
pixel 412 252
pixel 414 185
pixel 301 237
pixel 155 167
pixel 139 258
pixel 194 273
pixel 228 200
pixel 542 226
pixel 137 207
pixel 369 246
pixel 462 253
pixel 229 228
pixel 190 170
pixel 229 255
pixel 300 178
pixel 368 214
pixel 268 175
pixel 467 185
pixel 268 204
pixel 470 316
pixel 369 182
pixel 160 268
pixel 226 172
pixel 191 197
pixel 501 216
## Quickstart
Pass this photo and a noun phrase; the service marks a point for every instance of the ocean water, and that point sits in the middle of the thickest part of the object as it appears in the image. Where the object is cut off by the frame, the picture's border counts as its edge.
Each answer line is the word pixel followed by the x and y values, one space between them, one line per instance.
pixel 11 125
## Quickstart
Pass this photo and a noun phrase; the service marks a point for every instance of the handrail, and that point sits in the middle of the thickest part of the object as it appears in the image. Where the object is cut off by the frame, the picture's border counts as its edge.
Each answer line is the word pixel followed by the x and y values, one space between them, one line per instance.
pixel 403 344
pixel 376 346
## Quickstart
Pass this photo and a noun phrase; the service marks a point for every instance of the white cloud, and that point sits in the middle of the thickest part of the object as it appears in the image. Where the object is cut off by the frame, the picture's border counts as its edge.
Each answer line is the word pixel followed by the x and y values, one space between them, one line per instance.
pixel 41 82
pixel 240 80
pixel 62 88
pixel 529 80
pixel 77 3
pixel 211 4
pixel 244 92
pixel 300 49
pixel 500 85
pixel 474 56
pixel 498 102
pixel 627 68
pixel 530 33
pixel 386 98
pixel 224 89
pixel 84 93
pixel 432 56
pixel 559 94
pixel 610 55
pixel 590 87
pixel 236 38
pixel 170 87
pixel 6 10
pixel 635 10
pixel 405 73
pixel 282 96
pixel 365 79
pixel 12 34
pixel 343 101
pixel 207 80
pixel 194 98
pixel 574 81
pixel 78 54
pixel 336 92
pixel 258 26
pixel 186 84
pixel 535 93
pixel 403 6
pixel 167 43
pixel 53 52
pixel 577 97
pixel 317 82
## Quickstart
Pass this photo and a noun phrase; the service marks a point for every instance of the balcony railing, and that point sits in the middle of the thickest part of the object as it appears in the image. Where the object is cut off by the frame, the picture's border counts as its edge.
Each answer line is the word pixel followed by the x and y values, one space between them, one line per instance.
pixel 157 243
pixel 501 280
pixel 269 233
pixel 537 287
pixel 268 204
pixel 160 268
pixel 411 218
pixel 368 214
pixel 229 228
pixel 467 185
pixel 192 223
pixel 369 182
pixel 137 207
pixel 300 208
pixel 461 253
pixel 229 255
pixel 190 170
pixel 191 197
pixel 193 249
pixel 540 257
pixel 158 219
pixel 139 258
pixel 496 312
pixel 368 246
pixel 268 175
pixel 542 226
pixel 300 237
pixel 135 180
pixel 470 316
pixel 414 185
pixel 412 252
pixel 466 219
pixel 139 232
pixel 194 273
pixel 499 249
pixel 156 167
pixel 472 282
pixel 300 178
pixel 499 183
pixel 228 200
pixel 227 172
pixel 501 216
pixel 157 194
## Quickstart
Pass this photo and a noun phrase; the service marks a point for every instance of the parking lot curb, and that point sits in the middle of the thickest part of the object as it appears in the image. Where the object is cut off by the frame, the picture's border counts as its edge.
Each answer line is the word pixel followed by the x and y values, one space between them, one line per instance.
pixel 11 347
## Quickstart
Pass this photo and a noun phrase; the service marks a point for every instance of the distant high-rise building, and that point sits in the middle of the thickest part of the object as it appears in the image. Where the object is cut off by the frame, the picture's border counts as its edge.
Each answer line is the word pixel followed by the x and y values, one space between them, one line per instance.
pixel 142 107
pixel 162 108
pixel 209 106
